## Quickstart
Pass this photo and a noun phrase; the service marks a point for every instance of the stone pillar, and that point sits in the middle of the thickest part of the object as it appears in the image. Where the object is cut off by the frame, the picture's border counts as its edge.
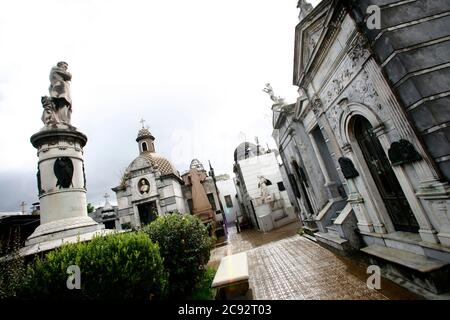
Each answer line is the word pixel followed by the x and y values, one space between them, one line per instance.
pixel 324 127
pixel 356 199
pixel 62 186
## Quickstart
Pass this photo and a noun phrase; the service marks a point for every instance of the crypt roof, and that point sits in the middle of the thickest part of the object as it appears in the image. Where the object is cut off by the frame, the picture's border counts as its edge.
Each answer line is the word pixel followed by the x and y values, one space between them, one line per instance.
pixel 158 161
pixel 245 150
pixel 145 160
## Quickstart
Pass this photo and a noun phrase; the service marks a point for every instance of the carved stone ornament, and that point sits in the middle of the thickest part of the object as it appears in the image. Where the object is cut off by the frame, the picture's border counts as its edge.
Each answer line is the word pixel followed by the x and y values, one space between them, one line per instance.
pixel 348 168
pixel 63 169
pixel 305 8
pixel 316 105
pixel 402 152
pixel 359 50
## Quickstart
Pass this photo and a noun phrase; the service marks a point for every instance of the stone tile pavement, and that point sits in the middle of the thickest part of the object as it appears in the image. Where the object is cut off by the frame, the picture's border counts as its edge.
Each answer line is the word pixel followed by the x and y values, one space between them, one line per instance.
pixel 284 265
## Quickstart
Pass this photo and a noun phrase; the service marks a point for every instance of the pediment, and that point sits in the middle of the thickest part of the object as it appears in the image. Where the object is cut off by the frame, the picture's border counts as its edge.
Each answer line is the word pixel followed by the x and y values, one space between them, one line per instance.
pixel 139 163
pixel 310 39
pixel 312 34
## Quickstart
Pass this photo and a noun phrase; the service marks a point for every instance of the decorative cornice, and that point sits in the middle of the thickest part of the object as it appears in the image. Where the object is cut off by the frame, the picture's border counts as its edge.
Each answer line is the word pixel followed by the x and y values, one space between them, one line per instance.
pixel 54 135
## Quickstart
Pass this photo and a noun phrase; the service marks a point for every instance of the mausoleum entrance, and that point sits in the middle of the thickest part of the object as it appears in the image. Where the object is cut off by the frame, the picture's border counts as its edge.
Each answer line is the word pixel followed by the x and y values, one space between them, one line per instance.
pixel 384 177
pixel 148 212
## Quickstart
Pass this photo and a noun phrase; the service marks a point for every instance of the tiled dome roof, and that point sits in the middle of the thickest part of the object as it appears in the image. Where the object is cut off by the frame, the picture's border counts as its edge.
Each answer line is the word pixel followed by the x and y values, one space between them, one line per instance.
pixel 164 166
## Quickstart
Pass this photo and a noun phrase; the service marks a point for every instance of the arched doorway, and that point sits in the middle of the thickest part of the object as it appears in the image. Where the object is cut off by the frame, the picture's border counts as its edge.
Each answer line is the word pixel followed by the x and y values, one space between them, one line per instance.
pixel 381 171
pixel 303 182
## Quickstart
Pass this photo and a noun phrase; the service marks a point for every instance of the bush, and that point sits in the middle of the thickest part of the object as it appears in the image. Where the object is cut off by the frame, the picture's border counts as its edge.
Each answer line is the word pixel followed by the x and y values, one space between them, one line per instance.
pixel 118 266
pixel 203 290
pixel 12 268
pixel 185 246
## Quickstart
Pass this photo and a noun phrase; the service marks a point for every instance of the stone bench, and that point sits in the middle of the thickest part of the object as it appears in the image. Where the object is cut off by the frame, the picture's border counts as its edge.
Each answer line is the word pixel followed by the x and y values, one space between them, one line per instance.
pixel 231 279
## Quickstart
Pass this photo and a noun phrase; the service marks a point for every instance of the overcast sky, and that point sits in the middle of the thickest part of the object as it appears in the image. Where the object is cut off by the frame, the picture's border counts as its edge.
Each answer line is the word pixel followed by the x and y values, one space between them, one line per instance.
pixel 194 70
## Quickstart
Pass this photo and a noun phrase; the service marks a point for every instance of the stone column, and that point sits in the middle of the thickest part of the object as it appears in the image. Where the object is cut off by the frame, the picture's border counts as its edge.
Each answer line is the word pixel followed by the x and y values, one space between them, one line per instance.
pixel 62 186
pixel 356 199
pixel 322 122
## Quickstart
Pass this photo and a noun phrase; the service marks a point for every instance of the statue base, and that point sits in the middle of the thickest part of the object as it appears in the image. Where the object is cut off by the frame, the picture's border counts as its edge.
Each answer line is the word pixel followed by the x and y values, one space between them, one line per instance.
pixel 70 234
pixel 62 190
pixel 62 229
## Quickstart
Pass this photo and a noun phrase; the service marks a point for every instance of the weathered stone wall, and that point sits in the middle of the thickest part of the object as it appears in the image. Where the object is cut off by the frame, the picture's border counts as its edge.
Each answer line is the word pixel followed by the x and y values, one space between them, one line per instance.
pixel 413 49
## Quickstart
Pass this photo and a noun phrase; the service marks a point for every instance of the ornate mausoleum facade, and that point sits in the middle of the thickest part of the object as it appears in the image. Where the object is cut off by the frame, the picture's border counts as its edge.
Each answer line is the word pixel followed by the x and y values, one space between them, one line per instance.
pixel 361 175
pixel 150 186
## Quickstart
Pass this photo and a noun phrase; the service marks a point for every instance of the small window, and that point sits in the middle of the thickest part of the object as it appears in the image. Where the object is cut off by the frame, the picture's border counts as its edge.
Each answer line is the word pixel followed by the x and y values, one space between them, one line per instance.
pixel 281 186
pixel 212 201
pixel 228 201
pixel 144 146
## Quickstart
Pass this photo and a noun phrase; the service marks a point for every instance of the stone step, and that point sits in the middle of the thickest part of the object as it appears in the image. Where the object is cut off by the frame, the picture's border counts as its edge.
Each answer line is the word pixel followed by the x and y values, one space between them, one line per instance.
pixel 307 236
pixel 310 231
pixel 332 240
pixel 405 258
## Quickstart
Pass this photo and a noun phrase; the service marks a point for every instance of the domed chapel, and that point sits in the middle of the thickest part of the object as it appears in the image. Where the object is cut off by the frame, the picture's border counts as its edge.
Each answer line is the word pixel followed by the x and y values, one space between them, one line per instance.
pixel 150 186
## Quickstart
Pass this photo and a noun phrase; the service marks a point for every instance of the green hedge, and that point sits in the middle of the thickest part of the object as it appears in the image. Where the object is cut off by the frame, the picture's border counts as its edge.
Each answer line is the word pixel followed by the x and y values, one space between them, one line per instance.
pixel 12 269
pixel 185 246
pixel 203 290
pixel 118 266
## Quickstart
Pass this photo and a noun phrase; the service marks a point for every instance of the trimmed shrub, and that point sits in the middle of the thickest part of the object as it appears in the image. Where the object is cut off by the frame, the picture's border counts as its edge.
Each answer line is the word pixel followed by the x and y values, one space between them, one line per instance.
pixel 185 246
pixel 118 266
pixel 203 290
pixel 12 269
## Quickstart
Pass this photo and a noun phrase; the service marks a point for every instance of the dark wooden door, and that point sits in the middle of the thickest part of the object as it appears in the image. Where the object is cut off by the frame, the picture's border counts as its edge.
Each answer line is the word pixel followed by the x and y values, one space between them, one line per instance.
pixel 147 212
pixel 384 177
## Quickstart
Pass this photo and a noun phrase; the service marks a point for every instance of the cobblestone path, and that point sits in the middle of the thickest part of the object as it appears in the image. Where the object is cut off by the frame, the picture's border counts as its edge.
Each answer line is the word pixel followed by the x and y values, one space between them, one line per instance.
pixel 284 265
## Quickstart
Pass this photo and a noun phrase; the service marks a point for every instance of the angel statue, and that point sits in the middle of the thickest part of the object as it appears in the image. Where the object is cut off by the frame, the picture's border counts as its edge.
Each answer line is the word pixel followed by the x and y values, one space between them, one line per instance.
pixel 58 107
pixel 262 186
pixel 277 100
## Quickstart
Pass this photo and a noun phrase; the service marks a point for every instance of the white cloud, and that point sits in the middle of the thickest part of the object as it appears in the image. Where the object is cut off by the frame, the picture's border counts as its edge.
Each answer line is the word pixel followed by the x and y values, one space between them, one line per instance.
pixel 196 67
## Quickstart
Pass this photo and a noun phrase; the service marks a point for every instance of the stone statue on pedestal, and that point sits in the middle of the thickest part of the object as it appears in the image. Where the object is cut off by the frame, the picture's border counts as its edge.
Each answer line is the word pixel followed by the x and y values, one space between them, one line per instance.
pixel 58 107
pixel 61 176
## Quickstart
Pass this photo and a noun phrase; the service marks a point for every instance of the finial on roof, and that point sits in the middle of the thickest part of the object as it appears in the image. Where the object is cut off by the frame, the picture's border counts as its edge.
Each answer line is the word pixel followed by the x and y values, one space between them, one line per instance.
pixel 305 8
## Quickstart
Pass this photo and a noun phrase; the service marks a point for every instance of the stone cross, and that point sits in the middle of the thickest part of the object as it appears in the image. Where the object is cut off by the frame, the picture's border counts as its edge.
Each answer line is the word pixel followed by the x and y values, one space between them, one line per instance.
pixel 22 205
pixel 142 122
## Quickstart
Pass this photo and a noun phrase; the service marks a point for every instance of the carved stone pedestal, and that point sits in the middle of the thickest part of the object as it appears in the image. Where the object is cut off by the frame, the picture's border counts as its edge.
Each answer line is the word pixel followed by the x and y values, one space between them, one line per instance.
pixel 62 189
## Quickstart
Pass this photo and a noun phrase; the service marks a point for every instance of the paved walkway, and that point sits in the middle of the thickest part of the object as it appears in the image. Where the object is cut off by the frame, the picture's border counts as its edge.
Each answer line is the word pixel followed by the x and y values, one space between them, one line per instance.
pixel 284 265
